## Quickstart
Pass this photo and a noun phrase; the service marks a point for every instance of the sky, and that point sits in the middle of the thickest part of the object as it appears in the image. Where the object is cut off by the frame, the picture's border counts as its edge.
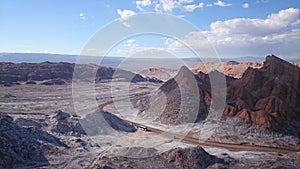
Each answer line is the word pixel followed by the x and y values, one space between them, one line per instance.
pixel 234 28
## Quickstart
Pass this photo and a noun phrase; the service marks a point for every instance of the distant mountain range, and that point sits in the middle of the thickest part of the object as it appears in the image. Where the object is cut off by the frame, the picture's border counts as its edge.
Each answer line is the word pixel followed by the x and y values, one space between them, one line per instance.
pixel 115 61
pixel 43 57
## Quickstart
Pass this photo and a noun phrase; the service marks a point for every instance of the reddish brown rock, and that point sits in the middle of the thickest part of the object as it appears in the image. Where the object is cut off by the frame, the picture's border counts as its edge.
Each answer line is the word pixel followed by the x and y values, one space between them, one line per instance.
pixel 244 115
pixel 262 118
pixel 272 94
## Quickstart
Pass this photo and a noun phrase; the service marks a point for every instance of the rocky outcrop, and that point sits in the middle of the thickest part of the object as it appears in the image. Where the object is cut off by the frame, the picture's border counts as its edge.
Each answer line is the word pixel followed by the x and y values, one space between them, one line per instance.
pixel 29 142
pixel 178 158
pixel 191 158
pixel 101 122
pixel 270 95
pixel 63 123
pixel 23 142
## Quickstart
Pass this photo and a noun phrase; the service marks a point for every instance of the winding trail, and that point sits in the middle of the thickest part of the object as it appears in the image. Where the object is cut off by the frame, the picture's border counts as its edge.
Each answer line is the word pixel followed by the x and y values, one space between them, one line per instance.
pixel 195 141
pixel 233 147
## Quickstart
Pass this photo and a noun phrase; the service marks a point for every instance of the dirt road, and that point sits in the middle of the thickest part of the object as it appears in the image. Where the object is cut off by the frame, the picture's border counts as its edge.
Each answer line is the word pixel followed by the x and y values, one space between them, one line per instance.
pixel 192 140
pixel 234 147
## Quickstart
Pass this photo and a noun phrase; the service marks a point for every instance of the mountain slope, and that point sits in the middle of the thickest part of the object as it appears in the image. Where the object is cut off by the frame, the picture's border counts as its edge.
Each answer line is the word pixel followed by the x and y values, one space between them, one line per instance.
pixel 179 100
pixel 270 95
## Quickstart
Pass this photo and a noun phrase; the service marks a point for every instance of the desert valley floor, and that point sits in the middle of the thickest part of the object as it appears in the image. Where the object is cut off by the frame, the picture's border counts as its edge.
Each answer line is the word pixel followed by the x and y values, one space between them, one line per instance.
pixel 30 105
pixel 74 125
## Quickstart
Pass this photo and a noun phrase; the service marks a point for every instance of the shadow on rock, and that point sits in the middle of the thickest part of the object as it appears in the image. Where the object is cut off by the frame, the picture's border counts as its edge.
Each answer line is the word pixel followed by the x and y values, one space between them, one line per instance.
pixel 178 158
pixel 23 143
pixel 102 123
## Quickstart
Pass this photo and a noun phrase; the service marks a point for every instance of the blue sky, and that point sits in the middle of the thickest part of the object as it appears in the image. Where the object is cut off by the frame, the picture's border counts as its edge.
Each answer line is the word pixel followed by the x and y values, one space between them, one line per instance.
pixel 233 27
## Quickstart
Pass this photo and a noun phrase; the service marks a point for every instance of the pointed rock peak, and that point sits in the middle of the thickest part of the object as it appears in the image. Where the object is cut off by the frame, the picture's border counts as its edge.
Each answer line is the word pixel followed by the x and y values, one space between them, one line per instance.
pixel 183 77
pixel 249 71
pixel 184 69
pixel 272 59
pixel 276 66
pixel 184 72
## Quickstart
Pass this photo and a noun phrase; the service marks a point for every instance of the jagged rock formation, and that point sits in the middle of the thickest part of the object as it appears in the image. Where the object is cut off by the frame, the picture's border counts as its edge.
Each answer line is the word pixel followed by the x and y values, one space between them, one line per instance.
pixel 63 123
pixel 32 142
pixel 23 142
pixel 11 73
pixel 178 158
pixel 268 97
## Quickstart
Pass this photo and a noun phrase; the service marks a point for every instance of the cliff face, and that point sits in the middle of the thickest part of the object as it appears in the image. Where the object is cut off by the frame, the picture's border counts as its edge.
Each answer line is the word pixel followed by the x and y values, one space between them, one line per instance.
pixel 10 72
pixel 21 72
pixel 271 95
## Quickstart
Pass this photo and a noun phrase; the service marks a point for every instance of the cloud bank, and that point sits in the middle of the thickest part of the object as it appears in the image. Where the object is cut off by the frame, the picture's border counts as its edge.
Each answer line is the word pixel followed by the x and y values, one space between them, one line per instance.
pixel 251 37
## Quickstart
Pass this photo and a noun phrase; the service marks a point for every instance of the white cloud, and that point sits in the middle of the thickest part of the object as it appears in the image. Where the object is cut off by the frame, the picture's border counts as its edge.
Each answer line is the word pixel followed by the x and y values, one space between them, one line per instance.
pixel 131 41
pixel 82 16
pixel 168 5
pixel 132 48
pixel 131 45
pixel 221 4
pixel 275 34
pixel 194 40
pixel 142 3
pixel 245 5
pixel 186 1
pixel 157 8
pixel 125 14
pixel 191 8
pixel 274 23
pixel 243 36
